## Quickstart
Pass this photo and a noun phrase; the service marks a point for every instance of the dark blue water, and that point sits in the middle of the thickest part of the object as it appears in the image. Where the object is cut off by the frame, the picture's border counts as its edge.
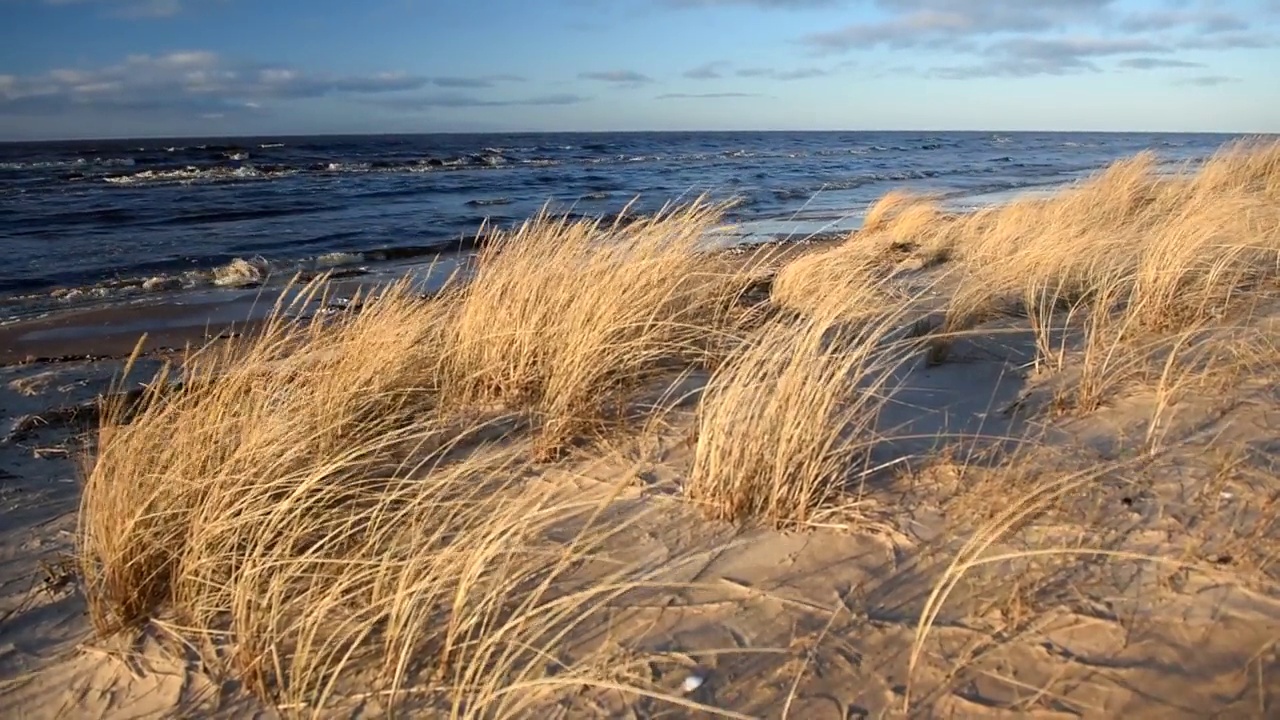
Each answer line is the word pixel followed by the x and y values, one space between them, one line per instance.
pixel 85 213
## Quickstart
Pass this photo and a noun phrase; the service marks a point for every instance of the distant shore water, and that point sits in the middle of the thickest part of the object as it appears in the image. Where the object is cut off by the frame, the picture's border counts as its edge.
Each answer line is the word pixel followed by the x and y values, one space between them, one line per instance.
pixel 88 222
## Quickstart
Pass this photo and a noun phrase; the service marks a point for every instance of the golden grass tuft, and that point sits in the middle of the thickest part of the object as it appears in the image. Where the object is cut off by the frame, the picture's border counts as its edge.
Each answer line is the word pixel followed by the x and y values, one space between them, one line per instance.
pixel 303 514
pixel 569 320
pixel 342 504
pixel 842 278
pixel 279 404
pixel 901 234
pixel 1127 255
pixel 887 209
pixel 786 420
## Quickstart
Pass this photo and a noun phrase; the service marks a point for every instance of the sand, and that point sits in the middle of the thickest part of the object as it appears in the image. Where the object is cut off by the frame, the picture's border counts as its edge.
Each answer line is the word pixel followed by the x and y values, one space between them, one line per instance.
pixel 812 623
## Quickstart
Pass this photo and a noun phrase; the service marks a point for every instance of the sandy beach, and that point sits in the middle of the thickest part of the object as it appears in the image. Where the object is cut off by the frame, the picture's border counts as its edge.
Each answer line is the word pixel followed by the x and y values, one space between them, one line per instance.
pixel 1018 462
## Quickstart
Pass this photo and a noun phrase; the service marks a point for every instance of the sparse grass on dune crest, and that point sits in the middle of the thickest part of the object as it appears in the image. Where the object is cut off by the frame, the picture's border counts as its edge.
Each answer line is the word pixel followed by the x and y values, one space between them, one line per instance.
pixel 1178 245
pixel 1123 259
pixel 1119 277
pixel 1169 243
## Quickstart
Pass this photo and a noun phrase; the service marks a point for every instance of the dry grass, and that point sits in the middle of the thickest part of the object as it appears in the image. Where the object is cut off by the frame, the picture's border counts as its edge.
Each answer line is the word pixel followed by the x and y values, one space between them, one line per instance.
pixel 786 421
pixel 342 511
pixel 570 320
pixel 902 233
pixel 834 278
pixel 303 516
pixel 342 503
pixel 280 400
pixel 1129 256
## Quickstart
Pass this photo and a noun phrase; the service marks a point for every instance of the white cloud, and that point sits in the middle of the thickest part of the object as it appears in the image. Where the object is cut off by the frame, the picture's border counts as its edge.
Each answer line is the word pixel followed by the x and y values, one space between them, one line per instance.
pixel 617 77
pixel 764 4
pixel 1033 37
pixel 197 82
pixel 129 8
pixel 914 23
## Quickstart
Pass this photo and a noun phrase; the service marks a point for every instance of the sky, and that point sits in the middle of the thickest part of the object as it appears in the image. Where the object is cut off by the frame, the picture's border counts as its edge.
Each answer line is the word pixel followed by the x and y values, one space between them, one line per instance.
pixel 134 68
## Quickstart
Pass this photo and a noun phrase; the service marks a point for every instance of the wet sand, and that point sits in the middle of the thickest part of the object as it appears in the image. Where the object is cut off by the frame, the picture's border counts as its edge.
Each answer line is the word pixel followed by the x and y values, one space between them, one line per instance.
pixel 178 319
pixel 174 320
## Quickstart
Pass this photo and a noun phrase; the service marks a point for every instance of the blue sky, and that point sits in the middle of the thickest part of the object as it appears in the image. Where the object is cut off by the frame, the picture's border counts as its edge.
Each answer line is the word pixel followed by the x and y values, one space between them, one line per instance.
pixel 111 68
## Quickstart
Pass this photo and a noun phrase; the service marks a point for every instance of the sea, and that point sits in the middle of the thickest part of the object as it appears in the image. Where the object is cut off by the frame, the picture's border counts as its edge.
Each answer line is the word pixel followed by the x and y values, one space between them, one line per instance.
pixel 93 220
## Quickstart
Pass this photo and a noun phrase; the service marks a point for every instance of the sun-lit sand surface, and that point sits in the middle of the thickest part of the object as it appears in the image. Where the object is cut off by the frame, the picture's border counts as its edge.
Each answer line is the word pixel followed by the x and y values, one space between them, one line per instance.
pixel 1014 463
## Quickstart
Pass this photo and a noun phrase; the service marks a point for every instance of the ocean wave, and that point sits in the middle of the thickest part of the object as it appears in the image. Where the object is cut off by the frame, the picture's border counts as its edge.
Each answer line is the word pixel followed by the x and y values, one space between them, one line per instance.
pixel 236 273
pixel 832 153
pixel 194 174
pixel 339 167
pixel 214 163
pixel 65 202
pixel 852 183
pixel 77 163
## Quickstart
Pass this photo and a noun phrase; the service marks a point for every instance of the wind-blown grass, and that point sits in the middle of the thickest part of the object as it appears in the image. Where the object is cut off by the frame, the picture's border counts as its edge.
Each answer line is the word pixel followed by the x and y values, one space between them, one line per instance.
pixel 342 502
pixel 789 417
pixel 568 320
pixel 342 509
pixel 304 514
pixel 1127 255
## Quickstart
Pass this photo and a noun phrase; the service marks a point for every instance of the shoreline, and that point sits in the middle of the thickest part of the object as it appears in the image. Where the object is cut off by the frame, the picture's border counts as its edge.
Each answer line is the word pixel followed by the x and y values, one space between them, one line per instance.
pixel 816 217
pixel 177 319
pixel 107 326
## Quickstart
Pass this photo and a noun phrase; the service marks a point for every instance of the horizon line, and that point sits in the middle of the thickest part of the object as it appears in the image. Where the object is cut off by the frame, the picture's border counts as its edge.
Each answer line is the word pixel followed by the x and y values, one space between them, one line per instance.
pixel 235 136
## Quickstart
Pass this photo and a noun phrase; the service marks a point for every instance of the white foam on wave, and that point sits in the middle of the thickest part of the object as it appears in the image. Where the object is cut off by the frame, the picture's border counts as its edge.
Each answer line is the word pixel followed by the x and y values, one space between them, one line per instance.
pixel 77 163
pixel 334 259
pixel 193 174
pixel 240 272
pixel 347 167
